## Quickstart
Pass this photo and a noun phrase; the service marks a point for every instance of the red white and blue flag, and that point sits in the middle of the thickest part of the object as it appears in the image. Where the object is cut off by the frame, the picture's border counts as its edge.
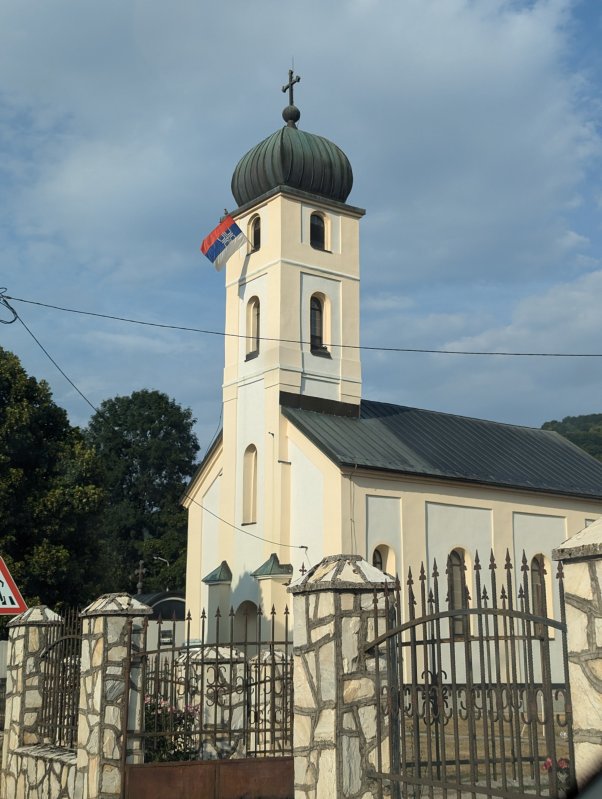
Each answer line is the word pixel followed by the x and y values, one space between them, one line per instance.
pixel 222 242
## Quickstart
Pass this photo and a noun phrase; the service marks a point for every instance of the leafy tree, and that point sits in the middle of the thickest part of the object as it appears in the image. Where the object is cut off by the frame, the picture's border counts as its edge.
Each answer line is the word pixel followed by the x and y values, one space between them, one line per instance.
pixel 585 431
pixel 146 447
pixel 49 494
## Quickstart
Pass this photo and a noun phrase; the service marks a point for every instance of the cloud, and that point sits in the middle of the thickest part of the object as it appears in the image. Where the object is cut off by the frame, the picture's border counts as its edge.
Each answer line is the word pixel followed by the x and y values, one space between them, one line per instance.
pixel 475 148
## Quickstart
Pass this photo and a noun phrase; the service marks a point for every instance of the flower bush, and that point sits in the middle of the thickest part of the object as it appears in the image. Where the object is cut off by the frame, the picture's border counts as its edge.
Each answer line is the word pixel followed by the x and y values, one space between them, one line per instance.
pixel 168 730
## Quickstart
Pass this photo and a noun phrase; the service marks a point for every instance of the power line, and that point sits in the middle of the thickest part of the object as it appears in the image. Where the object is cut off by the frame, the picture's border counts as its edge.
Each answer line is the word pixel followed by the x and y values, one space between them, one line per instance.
pixel 246 532
pixel 420 350
pixel 51 359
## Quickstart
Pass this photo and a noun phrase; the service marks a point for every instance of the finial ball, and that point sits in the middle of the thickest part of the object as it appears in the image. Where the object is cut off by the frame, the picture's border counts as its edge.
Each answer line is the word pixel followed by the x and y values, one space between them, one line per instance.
pixel 291 114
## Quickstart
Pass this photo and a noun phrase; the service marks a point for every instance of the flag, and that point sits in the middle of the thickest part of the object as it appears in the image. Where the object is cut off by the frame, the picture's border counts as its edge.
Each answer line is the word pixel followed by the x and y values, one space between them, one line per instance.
pixel 219 245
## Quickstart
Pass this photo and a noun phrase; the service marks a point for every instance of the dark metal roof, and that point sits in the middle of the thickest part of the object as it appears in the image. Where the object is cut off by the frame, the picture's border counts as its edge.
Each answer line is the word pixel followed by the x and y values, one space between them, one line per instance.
pixel 411 441
pixel 273 568
pixel 295 158
pixel 222 574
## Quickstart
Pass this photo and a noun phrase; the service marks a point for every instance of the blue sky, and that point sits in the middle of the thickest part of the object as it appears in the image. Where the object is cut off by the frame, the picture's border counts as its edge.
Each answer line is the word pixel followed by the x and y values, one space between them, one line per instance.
pixel 473 129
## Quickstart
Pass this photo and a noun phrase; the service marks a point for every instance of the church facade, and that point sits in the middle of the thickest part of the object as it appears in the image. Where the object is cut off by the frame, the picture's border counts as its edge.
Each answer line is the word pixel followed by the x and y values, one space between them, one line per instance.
pixel 304 466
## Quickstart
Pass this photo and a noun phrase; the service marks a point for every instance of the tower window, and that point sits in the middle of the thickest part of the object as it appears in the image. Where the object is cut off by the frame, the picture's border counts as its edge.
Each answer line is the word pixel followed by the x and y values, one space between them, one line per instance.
pixel 316 323
pixel 253 328
pixel 249 488
pixel 255 233
pixel 456 592
pixel 317 231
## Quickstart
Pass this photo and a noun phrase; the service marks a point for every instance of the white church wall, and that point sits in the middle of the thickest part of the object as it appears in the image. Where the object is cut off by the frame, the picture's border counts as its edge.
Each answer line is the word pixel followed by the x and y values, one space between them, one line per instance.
pixel 247 553
pixel 307 504
pixel 211 555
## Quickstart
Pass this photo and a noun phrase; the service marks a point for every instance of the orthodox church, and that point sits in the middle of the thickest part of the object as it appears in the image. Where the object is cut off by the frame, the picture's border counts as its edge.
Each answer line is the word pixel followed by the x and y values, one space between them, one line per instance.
pixel 304 466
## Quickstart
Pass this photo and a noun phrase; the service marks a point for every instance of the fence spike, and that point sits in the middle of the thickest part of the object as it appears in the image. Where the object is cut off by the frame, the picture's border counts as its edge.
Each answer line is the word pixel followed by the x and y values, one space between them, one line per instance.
pixel 525 562
pixel 477 561
pixel 435 573
pixel 492 563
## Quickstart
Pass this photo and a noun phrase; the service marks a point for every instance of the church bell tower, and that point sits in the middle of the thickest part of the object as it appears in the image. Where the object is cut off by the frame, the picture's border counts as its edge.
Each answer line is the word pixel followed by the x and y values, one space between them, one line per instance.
pixel 292 314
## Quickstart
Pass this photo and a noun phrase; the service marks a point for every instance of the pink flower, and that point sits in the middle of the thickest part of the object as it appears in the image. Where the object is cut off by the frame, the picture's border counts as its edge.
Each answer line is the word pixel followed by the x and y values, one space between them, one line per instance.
pixel 547 764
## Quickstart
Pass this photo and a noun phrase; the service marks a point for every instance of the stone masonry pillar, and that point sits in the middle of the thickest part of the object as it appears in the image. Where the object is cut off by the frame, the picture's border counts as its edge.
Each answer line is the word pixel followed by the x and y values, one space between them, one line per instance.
pixel 28 636
pixel 335 689
pixel 103 715
pixel 581 558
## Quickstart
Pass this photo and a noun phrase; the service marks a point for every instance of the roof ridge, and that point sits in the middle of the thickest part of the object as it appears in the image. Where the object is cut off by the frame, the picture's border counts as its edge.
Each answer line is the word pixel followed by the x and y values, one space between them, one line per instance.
pixel 459 416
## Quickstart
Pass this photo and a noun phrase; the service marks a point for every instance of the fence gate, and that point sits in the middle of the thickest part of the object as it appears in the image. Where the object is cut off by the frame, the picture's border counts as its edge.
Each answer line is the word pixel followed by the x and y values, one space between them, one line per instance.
pixel 472 674
pixel 214 718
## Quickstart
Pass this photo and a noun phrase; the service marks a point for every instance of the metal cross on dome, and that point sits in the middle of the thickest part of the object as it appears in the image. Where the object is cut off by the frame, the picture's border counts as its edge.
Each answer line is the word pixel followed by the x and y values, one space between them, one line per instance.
pixel 289 86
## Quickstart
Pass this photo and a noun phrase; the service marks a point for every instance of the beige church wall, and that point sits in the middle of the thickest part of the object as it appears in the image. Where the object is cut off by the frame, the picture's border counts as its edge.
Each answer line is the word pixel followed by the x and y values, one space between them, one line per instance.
pixel 451 526
pixel 383 529
pixel 333 228
pixel 321 375
pixel 536 534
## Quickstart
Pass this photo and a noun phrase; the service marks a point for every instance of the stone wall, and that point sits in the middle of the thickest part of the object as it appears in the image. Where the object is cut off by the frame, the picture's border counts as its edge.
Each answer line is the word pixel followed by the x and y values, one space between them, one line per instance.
pixel 581 558
pixel 336 689
pixel 31 768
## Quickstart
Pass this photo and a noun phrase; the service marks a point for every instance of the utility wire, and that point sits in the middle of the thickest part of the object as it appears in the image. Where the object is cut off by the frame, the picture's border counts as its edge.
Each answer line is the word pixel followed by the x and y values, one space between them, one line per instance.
pixel 422 350
pixel 246 532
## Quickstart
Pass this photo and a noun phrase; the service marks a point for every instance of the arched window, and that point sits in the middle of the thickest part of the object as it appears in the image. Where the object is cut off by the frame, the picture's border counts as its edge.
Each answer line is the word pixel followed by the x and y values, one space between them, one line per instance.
pixel 316 323
pixel 377 559
pixel 538 591
pixel 254 234
pixel 317 231
pixel 249 487
pixel 253 328
pixel 456 592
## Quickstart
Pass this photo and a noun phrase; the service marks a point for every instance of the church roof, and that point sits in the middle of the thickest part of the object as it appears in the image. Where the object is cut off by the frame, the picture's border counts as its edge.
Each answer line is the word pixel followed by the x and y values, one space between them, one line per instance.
pixel 411 441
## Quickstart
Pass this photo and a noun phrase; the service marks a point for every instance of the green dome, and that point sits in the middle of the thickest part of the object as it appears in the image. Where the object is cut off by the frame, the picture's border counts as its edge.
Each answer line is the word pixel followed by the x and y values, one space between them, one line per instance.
pixel 294 158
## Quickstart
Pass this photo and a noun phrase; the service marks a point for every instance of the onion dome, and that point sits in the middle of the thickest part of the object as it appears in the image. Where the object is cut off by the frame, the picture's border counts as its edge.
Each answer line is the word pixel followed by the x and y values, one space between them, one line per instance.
pixel 294 158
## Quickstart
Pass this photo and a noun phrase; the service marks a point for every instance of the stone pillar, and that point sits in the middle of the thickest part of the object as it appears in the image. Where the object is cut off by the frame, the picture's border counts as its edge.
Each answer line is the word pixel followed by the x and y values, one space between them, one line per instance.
pixel 28 635
pixel 335 689
pixel 103 714
pixel 581 558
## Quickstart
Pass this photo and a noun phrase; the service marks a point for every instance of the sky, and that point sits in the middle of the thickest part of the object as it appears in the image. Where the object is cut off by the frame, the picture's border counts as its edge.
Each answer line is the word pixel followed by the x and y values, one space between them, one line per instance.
pixel 473 129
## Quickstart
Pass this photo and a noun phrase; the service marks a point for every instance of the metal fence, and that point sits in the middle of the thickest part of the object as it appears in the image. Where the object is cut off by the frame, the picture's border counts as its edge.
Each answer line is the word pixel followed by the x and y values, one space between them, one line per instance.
pixel 226 694
pixel 468 702
pixel 61 681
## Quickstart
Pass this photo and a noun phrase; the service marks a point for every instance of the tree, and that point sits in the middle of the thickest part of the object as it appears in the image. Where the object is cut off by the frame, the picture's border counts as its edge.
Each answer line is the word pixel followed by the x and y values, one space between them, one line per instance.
pixel 585 431
pixel 146 448
pixel 49 493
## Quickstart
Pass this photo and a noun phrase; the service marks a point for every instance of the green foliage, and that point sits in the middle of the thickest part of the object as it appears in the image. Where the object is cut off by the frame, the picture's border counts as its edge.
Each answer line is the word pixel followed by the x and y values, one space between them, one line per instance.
pixel 49 493
pixel 146 448
pixel 585 431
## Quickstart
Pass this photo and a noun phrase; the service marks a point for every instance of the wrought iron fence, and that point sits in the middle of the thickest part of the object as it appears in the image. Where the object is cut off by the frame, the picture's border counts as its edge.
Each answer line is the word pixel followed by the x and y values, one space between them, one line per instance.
pixel 468 701
pixel 228 693
pixel 2 703
pixel 61 681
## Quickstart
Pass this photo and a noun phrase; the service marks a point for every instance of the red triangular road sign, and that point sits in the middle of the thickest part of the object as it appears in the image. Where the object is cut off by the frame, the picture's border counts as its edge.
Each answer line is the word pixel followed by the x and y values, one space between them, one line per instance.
pixel 11 601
